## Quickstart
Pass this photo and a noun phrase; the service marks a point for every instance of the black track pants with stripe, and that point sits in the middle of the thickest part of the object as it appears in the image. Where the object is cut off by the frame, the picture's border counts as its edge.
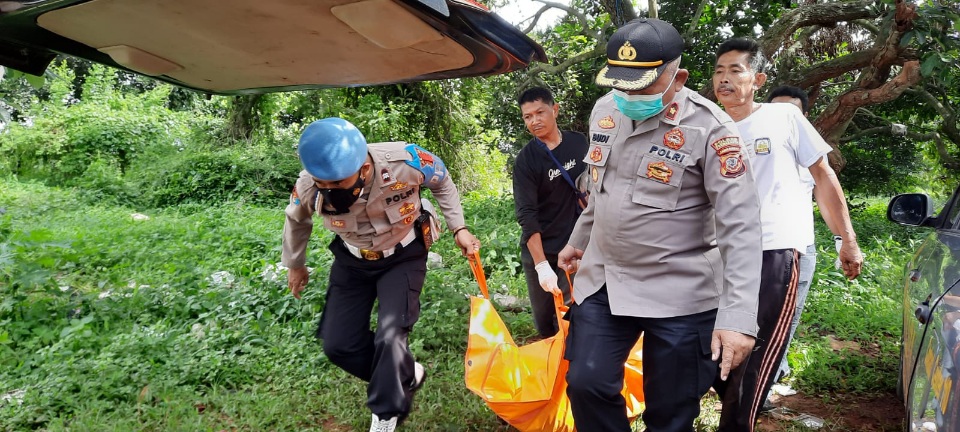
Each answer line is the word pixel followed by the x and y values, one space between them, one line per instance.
pixel 746 387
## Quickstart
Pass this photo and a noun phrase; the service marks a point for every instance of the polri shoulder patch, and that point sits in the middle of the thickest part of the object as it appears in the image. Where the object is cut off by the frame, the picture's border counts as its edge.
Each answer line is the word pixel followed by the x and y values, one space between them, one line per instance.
pixel 432 168
pixel 294 197
pixel 731 162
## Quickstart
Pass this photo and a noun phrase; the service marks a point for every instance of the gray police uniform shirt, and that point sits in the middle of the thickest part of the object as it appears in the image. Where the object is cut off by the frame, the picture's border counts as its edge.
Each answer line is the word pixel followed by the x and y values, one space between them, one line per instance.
pixel 385 211
pixel 670 204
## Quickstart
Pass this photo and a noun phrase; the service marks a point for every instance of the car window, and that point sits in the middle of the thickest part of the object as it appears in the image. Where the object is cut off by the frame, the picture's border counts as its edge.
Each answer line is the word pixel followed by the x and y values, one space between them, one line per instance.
pixel 953 211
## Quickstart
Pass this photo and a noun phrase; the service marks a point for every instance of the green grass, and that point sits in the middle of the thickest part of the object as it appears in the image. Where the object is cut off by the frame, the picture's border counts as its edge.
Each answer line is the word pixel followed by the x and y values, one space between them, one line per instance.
pixel 108 323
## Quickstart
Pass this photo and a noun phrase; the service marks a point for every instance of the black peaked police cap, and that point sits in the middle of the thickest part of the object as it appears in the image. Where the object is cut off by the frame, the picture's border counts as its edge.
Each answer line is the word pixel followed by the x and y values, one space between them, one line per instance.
pixel 638 53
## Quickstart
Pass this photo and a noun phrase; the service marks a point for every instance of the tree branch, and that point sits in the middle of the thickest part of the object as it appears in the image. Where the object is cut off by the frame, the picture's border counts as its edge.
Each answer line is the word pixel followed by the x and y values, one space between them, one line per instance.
pixel 571 11
pixel 536 20
pixel 949 125
pixel 824 14
pixel 696 19
pixel 598 50
pixel 833 68
pixel 873 85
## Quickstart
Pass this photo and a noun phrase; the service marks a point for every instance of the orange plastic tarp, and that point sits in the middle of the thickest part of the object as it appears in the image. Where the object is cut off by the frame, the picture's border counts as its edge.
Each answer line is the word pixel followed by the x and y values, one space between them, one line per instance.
pixel 526 385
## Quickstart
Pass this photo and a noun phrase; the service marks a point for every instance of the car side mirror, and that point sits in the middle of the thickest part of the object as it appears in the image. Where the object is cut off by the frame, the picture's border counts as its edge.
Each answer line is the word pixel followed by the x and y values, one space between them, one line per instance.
pixel 911 209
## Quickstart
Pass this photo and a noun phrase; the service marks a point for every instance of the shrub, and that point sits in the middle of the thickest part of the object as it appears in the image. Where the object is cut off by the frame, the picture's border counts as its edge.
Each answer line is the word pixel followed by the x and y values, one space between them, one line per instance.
pixel 259 173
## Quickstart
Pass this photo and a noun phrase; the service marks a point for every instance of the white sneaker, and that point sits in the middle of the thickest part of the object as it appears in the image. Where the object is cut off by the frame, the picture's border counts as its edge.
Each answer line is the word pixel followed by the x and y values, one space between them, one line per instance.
pixel 379 425
pixel 419 376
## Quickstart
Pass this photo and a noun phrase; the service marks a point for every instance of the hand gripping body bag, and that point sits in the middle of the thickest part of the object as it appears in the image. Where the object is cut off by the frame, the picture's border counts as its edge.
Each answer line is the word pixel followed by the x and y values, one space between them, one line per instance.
pixel 526 385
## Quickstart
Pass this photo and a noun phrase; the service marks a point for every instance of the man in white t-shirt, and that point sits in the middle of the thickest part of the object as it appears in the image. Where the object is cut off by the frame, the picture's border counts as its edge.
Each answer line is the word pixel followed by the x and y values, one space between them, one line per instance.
pixel 808 260
pixel 780 143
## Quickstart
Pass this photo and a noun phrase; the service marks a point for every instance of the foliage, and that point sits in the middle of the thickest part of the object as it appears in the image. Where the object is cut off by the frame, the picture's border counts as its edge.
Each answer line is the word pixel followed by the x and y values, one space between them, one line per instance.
pixel 59 142
pixel 260 173
pixel 865 311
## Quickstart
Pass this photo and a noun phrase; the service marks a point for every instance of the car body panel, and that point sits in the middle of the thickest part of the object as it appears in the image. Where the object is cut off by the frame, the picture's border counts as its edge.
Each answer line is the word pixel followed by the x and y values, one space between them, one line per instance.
pixel 250 46
pixel 931 323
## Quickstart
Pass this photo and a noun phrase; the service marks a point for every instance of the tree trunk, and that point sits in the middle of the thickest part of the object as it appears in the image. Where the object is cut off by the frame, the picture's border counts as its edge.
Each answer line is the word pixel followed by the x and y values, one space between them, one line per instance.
pixel 243 117
pixel 620 11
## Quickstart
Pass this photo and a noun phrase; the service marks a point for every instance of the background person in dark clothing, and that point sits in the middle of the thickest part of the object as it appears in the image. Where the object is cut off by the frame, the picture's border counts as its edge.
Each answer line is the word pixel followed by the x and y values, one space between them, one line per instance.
pixel 546 203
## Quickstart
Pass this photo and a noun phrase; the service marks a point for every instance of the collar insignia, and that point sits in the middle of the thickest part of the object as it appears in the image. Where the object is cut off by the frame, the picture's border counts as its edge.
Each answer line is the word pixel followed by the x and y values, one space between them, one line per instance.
pixel 672 111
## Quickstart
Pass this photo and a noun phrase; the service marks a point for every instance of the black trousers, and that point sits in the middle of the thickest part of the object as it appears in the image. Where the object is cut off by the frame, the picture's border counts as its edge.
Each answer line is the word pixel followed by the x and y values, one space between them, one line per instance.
pixel 677 369
pixel 747 386
pixel 379 357
pixel 541 302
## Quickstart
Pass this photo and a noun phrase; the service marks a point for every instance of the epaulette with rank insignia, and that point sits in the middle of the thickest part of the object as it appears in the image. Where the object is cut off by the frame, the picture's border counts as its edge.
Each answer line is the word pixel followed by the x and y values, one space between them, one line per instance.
pixel 717 112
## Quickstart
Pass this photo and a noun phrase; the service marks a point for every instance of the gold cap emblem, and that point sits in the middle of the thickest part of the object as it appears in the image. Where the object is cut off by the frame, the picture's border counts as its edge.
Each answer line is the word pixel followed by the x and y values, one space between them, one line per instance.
pixel 627 51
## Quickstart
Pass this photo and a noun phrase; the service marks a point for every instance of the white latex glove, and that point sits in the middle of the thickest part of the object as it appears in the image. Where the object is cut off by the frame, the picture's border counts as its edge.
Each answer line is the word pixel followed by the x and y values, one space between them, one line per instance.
pixel 838 242
pixel 548 279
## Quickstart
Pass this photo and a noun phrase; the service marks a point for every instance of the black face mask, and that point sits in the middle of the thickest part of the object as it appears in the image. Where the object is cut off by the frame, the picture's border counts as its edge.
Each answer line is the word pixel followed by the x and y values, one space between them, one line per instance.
pixel 341 199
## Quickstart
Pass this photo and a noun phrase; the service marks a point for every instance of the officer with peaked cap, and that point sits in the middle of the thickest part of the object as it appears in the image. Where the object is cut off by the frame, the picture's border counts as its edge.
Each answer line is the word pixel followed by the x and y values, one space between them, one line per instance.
pixel 669 245
pixel 369 196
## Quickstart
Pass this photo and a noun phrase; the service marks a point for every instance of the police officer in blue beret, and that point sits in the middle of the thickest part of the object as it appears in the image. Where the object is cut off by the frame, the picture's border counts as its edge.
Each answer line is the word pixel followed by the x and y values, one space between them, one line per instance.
pixel 369 196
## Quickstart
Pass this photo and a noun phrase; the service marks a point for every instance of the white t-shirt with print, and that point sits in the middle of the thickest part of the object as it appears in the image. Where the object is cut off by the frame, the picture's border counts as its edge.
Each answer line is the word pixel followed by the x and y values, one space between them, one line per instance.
pixel 780 142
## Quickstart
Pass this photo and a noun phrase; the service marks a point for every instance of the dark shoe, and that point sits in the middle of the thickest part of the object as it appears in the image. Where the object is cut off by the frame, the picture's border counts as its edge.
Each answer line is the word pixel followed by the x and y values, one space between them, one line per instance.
pixel 767 406
pixel 419 376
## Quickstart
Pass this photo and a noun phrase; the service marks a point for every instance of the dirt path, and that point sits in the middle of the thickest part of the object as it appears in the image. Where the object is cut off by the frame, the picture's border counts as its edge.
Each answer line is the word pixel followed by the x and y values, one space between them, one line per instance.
pixel 877 413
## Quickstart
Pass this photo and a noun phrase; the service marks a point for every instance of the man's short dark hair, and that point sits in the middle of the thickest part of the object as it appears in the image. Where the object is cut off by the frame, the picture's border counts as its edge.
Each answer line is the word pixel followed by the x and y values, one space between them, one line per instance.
pixel 793 92
pixel 534 94
pixel 754 57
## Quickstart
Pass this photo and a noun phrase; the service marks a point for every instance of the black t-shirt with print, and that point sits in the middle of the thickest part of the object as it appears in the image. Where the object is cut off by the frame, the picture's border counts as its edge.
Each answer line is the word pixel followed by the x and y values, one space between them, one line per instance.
pixel 544 201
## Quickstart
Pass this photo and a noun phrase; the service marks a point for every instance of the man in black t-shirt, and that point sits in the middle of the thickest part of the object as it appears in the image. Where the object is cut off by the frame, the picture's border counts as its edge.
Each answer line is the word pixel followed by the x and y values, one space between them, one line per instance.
pixel 546 202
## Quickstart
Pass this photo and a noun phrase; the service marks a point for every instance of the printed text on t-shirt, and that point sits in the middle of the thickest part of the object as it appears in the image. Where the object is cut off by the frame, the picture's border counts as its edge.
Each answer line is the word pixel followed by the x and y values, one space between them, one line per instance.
pixel 554 173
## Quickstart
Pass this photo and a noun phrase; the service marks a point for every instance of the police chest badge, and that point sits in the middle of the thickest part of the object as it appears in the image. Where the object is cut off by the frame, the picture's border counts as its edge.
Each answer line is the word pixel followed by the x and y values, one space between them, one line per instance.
pixel 762 146
pixel 594 175
pixel 407 208
pixel 660 172
pixel 728 149
pixel 398 185
pixel 338 223
pixel 674 139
